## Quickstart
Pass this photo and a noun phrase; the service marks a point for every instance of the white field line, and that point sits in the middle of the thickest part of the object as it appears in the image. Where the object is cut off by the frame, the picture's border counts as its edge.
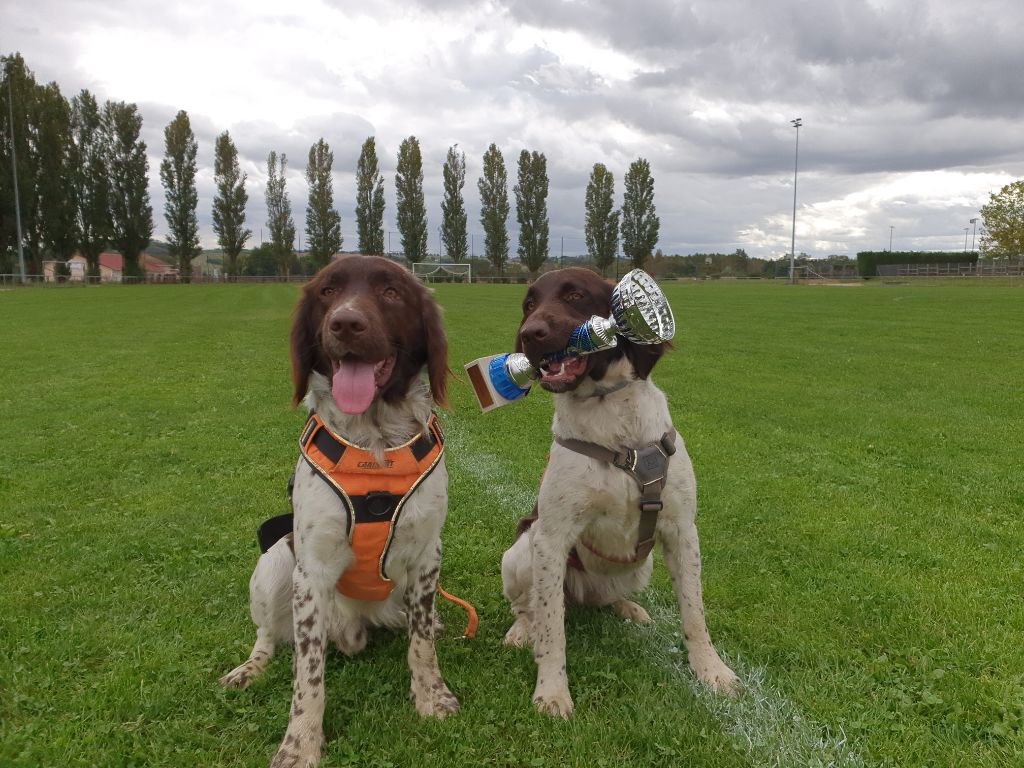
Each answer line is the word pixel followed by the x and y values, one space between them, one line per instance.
pixel 772 730
pixel 496 482
pixel 769 728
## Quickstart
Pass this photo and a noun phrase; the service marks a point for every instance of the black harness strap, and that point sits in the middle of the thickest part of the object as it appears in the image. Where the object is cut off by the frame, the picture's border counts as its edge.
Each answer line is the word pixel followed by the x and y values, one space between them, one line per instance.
pixel 648 466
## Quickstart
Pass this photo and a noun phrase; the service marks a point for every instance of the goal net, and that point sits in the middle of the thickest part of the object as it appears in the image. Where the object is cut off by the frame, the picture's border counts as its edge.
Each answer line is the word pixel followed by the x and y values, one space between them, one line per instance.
pixel 435 272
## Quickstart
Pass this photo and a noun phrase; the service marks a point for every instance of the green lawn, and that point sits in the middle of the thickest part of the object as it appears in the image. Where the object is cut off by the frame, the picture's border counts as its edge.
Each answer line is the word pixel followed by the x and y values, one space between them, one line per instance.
pixel 859 456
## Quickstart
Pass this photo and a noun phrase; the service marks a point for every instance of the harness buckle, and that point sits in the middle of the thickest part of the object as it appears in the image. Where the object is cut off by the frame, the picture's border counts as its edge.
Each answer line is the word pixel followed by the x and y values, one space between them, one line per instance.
pixel 651 506
pixel 625 460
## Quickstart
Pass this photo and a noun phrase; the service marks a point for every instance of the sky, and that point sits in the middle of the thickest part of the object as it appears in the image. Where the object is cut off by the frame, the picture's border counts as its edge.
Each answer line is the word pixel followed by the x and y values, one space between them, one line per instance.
pixel 911 109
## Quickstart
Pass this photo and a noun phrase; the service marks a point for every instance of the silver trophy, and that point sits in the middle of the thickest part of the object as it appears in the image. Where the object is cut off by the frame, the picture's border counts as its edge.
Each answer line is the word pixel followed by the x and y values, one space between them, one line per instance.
pixel 640 313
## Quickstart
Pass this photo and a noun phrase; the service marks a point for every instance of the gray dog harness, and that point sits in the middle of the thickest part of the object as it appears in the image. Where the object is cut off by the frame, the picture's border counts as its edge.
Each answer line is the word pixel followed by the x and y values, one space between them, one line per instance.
pixel 648 466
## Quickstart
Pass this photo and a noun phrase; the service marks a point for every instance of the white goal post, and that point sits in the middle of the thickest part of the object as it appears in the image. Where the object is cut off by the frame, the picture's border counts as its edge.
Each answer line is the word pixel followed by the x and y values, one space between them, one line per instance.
pixel 430 271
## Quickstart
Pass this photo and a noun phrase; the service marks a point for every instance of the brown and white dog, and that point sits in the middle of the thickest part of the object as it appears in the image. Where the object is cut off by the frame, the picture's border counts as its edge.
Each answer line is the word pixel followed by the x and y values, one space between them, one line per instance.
pixel 589 509
pixel 364 330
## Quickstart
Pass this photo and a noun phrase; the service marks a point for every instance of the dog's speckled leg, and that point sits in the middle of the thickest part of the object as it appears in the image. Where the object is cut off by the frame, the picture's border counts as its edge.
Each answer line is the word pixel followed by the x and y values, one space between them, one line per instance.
pixel 428 690
pixel 304 737
pixel 682 557
pixel 548 634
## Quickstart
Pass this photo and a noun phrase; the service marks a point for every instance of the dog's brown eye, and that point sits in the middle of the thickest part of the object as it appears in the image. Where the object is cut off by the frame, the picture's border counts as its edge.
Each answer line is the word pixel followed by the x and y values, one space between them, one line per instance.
pixel 574 296
pixel 390 293
pixel 529 305
pixel 327 291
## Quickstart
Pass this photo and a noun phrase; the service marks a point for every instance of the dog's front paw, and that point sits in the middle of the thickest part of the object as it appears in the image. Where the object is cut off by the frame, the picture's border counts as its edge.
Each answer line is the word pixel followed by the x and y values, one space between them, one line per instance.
pixel 631 611
pixel 293 753
pixel 554 702
pixel 714 673
pixel 518 634
pixel 435 700
pixel 239 677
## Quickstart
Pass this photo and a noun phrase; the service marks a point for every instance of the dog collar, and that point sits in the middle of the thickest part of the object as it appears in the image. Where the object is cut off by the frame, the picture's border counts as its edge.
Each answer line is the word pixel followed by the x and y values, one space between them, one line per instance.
pixel 605 391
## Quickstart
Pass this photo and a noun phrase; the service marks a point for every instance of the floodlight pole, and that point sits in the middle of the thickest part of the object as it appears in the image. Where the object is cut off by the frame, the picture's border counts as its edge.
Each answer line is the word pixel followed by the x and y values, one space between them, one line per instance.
pixel 975 223
pixel 14 172
pixel 966 230
pixel 796 159
pixel 890 238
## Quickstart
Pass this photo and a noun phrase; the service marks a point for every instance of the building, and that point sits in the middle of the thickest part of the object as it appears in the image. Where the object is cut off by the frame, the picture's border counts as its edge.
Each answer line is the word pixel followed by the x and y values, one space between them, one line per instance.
pixel 111 268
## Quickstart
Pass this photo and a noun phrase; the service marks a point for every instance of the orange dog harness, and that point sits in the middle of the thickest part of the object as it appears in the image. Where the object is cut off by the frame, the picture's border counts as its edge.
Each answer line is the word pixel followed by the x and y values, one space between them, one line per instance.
pixel 372 494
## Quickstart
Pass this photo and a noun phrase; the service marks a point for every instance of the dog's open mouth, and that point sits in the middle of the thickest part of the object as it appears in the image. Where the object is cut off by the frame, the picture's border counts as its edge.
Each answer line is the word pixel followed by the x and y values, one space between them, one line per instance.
pixel 561 373
pixel 355 382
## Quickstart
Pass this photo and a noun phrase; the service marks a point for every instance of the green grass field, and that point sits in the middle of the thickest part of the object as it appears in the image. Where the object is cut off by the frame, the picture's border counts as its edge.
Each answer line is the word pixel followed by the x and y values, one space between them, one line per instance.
pixel 859 457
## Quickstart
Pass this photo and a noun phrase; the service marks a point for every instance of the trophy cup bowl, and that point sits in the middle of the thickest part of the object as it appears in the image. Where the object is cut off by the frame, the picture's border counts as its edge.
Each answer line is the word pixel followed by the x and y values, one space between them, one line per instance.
pixel 641 311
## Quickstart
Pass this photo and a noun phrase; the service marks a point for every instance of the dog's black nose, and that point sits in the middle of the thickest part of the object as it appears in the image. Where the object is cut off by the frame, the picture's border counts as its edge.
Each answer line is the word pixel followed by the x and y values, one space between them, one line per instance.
pixel 347 322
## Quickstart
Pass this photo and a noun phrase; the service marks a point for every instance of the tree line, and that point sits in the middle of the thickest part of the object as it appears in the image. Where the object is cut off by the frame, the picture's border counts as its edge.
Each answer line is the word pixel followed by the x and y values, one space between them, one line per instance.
pixel 81 171
pixel 83 186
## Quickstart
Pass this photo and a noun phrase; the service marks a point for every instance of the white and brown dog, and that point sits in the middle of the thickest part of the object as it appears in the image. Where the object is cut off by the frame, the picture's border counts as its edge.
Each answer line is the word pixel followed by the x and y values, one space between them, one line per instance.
pixel 364 330
pixel 588 541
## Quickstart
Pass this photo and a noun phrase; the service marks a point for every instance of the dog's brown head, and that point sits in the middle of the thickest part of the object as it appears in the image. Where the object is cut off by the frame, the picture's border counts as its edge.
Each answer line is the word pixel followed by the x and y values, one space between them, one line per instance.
pixel 369 326
pixel 554 305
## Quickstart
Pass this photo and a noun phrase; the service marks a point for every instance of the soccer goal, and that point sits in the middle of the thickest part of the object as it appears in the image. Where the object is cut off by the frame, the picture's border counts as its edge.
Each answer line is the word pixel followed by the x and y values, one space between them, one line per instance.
pixel 435 272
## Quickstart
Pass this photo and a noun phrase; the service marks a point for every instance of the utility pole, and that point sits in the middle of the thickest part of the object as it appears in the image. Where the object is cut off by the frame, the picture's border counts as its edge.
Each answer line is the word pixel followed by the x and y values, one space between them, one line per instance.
pixel 14 171
pixel 796 159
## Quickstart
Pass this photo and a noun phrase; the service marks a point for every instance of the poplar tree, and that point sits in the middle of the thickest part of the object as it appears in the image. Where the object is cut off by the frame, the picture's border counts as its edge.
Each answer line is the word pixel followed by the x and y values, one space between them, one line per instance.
pixel 323 223
pixel 453 208
pixel 229 203
pixel 58 228
pixel 532 209
pixel 602 220
pixel 279 214
pixel 131 215
pixel 412 212
pixel 369 201
pixel 494 207
pixel 178 174
pixel 93 209
pixel 639 220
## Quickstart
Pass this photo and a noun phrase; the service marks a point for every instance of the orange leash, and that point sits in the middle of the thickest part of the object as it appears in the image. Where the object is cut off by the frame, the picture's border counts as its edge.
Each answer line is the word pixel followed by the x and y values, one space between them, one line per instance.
pixel 470 630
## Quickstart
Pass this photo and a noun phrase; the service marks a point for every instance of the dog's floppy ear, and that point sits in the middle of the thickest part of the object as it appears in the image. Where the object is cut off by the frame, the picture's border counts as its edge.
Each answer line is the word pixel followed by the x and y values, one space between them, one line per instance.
pixel 304 343
pixel 643 357
pixel 436 345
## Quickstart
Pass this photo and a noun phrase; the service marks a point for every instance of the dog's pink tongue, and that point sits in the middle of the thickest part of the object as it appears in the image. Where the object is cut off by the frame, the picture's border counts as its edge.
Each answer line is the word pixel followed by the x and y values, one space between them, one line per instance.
pixel 353 386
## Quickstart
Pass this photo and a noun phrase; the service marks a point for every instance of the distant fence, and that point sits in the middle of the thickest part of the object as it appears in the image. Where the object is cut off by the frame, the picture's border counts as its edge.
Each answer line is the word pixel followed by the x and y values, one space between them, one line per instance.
pixel 976 269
